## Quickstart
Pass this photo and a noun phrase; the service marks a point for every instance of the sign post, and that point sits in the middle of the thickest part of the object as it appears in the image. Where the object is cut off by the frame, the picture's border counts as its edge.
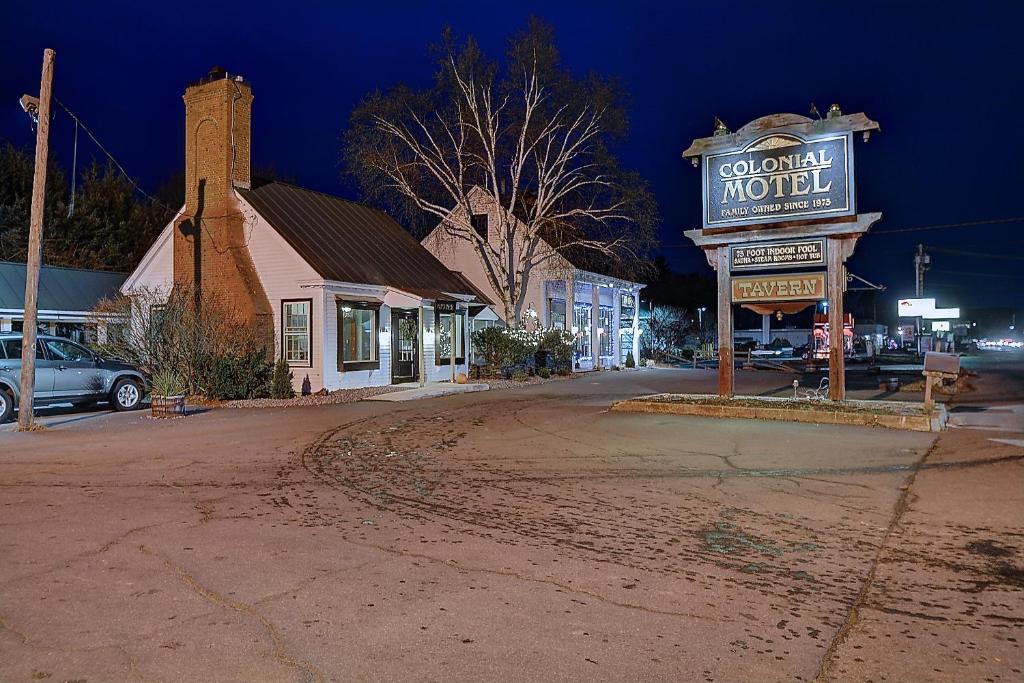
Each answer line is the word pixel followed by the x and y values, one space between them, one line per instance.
pixel 780 194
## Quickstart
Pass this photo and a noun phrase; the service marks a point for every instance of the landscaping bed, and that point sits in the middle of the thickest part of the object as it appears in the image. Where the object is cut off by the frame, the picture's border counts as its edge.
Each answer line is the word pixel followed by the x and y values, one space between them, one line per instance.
pixel 528 382
pixel 317 399
pixel 891 414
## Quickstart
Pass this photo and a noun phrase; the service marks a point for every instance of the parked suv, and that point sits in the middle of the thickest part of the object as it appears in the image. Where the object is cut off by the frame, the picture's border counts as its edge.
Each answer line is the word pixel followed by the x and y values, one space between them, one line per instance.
pixel 67 372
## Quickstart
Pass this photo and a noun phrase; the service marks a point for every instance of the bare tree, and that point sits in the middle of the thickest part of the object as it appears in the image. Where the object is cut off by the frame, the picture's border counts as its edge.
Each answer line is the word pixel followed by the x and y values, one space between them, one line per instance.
pixel 528 144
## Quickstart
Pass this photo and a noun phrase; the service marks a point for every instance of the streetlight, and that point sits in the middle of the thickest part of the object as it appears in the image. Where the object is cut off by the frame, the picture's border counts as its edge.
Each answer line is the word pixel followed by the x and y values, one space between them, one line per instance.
pixel 700 316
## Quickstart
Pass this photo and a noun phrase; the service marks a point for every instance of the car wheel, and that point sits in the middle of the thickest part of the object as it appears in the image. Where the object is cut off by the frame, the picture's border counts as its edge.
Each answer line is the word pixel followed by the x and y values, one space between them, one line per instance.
pixel 126 395
pixel 6 406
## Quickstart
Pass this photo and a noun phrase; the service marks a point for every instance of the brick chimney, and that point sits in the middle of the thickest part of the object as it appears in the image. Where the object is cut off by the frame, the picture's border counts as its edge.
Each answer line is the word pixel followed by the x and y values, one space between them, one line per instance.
pixel 211 255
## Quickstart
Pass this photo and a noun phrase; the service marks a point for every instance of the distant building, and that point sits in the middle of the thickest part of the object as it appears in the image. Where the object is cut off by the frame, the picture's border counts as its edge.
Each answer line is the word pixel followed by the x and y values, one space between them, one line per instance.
pixel 604 313
pixel 352 298
pixel 67 301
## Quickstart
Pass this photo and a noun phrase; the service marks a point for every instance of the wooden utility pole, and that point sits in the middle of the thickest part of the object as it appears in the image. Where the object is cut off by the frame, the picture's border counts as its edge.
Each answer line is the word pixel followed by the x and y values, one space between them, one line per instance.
pixel 35 247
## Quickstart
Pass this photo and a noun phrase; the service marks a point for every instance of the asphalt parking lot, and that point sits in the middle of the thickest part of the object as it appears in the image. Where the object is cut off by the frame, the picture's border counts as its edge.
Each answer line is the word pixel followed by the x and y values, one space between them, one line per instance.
pixel 518 535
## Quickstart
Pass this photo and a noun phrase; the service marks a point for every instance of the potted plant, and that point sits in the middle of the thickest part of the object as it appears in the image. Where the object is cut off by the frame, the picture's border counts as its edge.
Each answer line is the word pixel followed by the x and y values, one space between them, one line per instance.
pixel 168 394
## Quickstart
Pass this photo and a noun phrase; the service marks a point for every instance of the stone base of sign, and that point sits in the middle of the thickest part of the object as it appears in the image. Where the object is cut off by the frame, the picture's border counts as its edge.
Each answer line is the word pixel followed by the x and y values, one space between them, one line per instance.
pixel 890 414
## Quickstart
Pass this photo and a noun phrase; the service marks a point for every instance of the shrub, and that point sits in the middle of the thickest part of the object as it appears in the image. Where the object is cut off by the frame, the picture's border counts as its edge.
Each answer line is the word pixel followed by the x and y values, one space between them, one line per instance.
pixel 616 368
pixel 504 347
pixel 235 376
pixel 213 351
pixel 563 372
pixel 543 373
pixel 281 381
pixel 557 345
pixel 630 362
pixel 519 376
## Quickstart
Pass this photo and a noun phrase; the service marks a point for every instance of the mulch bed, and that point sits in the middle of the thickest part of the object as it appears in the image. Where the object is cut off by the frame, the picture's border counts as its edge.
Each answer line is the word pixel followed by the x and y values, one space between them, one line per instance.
pixel 870 407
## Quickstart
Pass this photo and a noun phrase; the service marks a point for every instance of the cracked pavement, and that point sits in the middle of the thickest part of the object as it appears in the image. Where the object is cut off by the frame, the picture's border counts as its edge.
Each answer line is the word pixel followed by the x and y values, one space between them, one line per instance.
pixel 514 535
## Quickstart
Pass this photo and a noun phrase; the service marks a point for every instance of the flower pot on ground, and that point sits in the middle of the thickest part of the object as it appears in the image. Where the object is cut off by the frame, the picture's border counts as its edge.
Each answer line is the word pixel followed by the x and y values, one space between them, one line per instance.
pixel 168 398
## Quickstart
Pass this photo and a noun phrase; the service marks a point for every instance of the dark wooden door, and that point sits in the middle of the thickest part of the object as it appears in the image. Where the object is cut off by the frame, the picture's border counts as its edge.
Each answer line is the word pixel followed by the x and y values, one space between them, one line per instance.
pixel 404 345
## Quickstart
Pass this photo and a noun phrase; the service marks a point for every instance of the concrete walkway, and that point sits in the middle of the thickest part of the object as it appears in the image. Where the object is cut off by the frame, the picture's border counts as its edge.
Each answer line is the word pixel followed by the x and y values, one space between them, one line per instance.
pixel 430 391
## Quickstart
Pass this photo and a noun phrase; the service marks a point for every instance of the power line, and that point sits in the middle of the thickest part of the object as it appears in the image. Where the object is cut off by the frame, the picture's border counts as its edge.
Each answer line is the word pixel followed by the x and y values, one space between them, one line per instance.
pixel 920 228
pixel 960 252
pixel 944 226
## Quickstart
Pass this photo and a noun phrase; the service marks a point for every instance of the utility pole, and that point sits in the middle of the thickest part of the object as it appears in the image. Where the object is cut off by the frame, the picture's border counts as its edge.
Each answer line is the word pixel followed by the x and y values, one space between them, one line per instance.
pixel 35 247
pixel 921 263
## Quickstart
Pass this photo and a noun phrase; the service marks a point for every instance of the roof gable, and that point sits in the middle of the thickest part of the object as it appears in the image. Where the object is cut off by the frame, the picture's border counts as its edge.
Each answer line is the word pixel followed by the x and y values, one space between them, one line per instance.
pixel 349 242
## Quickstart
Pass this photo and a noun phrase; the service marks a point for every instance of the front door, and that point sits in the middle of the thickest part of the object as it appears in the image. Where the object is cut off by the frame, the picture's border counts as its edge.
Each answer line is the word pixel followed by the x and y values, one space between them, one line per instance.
pixel 405 323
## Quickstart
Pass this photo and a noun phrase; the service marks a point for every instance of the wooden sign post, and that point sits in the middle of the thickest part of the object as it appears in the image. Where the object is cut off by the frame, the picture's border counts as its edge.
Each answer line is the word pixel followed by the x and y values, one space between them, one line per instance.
pixel 780 194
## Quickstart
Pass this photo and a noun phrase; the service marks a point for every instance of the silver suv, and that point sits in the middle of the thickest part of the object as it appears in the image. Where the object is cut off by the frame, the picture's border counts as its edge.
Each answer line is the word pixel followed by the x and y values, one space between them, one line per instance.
pixel 67 372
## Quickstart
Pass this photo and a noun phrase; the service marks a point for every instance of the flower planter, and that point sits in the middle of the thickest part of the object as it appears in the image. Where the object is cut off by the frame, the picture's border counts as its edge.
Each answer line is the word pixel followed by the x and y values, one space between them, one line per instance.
pixel 168 406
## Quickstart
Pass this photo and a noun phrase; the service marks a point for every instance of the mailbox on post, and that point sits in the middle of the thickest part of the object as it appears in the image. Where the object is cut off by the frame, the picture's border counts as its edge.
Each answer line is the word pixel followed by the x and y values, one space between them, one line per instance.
pixel 937 367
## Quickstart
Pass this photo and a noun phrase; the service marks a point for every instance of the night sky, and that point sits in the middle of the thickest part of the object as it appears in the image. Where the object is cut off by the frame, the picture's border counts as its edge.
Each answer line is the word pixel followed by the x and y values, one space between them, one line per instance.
pixel 944 80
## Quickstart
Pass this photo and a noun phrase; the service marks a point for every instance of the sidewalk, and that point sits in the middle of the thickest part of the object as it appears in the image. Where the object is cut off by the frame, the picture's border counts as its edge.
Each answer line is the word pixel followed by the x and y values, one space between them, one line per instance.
pixel 416 392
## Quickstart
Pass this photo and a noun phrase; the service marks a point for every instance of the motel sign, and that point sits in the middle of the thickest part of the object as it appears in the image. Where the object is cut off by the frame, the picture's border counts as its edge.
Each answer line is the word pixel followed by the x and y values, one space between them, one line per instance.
pixel 779 194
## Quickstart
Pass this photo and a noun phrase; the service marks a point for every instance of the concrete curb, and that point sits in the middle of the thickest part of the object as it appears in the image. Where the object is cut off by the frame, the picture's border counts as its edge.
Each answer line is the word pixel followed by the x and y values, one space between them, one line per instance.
pixel 916 423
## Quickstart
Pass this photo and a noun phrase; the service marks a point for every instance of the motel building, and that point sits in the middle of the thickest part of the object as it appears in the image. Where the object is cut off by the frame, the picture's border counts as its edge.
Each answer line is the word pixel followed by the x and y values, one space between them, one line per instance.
pixel 600 310
pixel 353 300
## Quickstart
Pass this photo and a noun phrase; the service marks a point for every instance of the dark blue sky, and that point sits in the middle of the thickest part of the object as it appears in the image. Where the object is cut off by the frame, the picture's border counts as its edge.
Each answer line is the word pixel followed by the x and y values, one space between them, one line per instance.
pixel 945 81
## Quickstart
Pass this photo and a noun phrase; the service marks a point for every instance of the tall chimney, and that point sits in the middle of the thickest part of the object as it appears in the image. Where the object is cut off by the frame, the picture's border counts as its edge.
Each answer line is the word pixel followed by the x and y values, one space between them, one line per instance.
pixel 211 255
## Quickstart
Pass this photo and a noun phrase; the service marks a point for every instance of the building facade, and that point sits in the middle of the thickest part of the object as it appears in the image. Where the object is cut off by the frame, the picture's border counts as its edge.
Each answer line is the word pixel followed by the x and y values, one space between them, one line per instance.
pixel 352 299
pixel 601 311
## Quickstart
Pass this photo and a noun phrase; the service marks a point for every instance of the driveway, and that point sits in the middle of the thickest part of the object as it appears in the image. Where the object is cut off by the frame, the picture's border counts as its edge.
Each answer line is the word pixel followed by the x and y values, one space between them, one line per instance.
pixel 509 535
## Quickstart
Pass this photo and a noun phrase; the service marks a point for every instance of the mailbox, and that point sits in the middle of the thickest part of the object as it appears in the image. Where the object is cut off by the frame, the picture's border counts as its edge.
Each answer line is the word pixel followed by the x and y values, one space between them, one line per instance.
pixel 941 364
pixel 937 367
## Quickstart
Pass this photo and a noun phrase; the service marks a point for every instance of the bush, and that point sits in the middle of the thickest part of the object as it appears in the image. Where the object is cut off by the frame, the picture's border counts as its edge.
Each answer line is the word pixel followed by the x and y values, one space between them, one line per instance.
pixel 543 373
pixel 281 382
pixel 519 376
pixel 228 377
pixel 214 352
pixel 630 362
pixel 563 372
pixel 557 346
pixel 503 348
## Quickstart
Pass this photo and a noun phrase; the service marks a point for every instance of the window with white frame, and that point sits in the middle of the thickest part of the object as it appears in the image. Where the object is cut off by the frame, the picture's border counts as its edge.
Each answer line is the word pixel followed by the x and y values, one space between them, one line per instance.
pixel 581 316
pixel 296 324
pixel 605 323
pixel 556 313
pixel 443 347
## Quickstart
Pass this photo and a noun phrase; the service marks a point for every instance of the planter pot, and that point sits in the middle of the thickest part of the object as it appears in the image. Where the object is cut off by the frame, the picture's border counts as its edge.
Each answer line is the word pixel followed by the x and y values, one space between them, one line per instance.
pixel 168 406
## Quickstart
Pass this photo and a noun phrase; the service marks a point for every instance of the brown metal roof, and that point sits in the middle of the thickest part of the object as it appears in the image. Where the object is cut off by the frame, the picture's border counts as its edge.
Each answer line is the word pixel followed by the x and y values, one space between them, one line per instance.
pixel 349 242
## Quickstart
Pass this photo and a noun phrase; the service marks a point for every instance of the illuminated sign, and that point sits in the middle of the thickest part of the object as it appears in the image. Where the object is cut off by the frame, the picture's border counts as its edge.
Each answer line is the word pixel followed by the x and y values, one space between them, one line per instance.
pixel 778 255
pixel 789 287
pixel 940 326
pixel 780 177
pixel 925 308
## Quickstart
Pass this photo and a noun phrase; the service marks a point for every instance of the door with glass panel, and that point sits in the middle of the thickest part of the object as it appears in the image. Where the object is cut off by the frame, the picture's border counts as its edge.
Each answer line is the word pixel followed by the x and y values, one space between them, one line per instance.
pixel 404 345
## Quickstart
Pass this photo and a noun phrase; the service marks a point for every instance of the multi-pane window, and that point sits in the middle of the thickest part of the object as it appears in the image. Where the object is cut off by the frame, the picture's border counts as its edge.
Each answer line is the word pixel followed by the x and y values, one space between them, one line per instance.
pixel 581 315
pixel 556 313
pixel 605 323
pixel 296 323
pixel 358 334
pixel 443 347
